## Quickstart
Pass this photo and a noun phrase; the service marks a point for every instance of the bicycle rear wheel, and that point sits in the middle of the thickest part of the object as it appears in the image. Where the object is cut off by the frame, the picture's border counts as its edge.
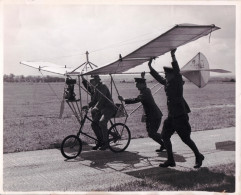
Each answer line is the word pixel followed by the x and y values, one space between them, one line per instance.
pixel 71 146
pixel 119 137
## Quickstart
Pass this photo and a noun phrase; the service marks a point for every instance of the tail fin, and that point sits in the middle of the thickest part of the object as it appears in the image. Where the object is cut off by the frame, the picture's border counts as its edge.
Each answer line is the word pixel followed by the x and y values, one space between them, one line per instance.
pixel 193 70
pixel 197 70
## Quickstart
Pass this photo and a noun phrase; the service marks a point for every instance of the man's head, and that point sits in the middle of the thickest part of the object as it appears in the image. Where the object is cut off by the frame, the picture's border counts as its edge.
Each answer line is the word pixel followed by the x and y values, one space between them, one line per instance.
pixel 95 79
pixel 169 74
pixel 140 83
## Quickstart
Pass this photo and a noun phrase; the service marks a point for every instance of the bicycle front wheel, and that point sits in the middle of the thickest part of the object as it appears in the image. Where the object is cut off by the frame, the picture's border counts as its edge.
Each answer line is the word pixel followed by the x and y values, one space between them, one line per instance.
pixel 119 137
pixel 71 146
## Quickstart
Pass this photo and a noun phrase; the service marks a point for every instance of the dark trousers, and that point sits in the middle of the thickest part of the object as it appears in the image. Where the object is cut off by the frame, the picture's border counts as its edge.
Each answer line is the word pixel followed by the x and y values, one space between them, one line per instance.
pixel 152 126
pixel 181 125
pixel 99 124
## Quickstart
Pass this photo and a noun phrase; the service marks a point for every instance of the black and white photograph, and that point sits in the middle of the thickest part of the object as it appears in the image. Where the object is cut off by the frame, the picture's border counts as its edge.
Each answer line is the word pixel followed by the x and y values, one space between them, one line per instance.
pixel 120 97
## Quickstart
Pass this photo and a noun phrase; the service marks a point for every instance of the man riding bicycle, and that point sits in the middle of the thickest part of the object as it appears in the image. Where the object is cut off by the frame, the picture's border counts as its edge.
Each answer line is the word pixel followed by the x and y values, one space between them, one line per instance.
pixel 102 109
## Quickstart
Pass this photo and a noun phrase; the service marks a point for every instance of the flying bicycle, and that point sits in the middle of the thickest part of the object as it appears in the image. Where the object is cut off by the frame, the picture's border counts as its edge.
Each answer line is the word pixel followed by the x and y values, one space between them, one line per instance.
pixel 197 71
pixel 119 135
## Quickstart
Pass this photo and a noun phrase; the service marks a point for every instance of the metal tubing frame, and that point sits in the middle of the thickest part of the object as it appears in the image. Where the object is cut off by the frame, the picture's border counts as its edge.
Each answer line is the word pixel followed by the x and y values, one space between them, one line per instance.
pixel 93 64
pixel 83 133
pixel 78 67
pixel 83 122
pixel 80 97
pixel 72 107
pixel 72 103
pixel 78 109
pixel 81 126
pixel 112 81
pixel 89 136
pixel 74 111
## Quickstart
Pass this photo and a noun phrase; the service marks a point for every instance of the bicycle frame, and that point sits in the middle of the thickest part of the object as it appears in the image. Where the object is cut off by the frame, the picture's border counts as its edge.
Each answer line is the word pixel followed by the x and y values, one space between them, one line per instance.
pixel 82 122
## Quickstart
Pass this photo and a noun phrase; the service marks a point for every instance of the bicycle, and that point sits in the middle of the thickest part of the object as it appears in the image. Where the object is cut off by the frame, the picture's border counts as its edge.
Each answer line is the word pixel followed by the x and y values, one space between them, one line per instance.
pixel 119 137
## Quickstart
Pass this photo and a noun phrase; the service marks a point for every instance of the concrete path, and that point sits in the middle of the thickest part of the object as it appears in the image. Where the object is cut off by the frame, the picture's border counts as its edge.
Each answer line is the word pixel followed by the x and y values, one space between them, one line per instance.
pixel 47 170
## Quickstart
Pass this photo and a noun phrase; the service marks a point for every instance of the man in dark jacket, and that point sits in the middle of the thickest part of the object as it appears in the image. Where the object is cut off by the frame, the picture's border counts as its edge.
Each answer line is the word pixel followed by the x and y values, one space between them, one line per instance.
pixel 152 112
pixel 91 90
pixel 178 110
pixel 103 109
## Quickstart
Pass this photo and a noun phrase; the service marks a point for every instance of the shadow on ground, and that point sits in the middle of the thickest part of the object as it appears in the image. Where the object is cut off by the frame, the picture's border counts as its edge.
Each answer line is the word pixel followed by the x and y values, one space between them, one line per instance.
pixel 123 161
pixel 202 179
pixel 108 159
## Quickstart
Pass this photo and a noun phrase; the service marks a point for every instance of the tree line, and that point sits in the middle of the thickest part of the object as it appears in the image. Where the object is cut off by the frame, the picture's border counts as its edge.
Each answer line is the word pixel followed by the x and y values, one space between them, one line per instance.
pixel 47 79
pixel 33 79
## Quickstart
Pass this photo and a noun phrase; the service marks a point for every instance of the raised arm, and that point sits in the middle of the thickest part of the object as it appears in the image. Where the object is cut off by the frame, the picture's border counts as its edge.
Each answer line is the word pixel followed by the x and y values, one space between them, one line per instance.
pixel 87 86
pixel 175 65
pixel 155 74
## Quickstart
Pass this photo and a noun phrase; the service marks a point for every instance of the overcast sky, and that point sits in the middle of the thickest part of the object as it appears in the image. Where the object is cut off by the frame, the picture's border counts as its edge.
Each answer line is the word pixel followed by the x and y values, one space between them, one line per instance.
pixel 62 33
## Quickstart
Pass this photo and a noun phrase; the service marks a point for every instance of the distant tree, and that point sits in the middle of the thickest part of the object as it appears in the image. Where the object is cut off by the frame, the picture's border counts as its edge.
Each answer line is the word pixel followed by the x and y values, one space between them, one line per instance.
pixel 29 79
pixel 35 79
pixel 5 78
pixel 11 77
pixel 22 78
pixel 17 78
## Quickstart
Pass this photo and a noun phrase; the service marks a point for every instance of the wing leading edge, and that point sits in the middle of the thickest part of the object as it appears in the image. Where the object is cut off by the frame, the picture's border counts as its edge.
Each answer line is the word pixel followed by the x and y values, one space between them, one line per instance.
pixel 49 67
pixel 175 37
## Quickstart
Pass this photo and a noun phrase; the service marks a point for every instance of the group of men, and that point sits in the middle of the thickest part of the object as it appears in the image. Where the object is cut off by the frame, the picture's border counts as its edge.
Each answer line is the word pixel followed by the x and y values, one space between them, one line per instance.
pixel 177 120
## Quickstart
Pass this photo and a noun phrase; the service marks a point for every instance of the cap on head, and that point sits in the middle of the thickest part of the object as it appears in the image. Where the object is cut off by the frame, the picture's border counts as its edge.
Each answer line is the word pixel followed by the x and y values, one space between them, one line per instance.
pixel 140 80
pixel 95 77
pixel 168 69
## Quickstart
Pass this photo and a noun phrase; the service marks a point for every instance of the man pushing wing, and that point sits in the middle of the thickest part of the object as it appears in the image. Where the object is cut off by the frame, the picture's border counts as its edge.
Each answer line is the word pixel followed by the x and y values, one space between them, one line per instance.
pixel 178 110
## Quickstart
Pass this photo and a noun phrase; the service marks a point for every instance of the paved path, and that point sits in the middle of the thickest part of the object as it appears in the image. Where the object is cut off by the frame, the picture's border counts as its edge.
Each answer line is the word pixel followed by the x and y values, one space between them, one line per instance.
pixel 47 170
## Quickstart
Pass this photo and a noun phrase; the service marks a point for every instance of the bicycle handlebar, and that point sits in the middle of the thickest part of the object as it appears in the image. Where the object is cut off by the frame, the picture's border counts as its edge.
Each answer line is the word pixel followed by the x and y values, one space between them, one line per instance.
pixel 85 109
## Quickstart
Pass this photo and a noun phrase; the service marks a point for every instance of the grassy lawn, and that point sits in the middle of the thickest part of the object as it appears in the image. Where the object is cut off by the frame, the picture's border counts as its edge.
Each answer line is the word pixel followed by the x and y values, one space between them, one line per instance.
pixel 214 179
pixel 30 118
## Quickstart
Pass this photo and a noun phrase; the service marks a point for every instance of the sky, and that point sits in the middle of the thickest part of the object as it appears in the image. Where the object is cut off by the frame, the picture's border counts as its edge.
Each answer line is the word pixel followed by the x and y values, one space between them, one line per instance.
pixel 62 33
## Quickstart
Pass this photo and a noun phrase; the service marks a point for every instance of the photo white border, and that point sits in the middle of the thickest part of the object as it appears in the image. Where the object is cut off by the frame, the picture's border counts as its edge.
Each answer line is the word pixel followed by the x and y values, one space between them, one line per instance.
pixel 237 3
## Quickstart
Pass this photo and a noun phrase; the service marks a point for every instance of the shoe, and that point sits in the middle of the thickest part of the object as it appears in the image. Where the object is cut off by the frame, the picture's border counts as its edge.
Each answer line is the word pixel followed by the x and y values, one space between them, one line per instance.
pixel 168 164
pixel 199 161
pixel 104 147
pixel 161 149
pixel 97 146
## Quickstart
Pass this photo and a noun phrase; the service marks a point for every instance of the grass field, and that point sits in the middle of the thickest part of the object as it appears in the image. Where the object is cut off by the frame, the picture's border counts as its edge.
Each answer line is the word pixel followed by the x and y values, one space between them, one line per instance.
pixel 30 118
